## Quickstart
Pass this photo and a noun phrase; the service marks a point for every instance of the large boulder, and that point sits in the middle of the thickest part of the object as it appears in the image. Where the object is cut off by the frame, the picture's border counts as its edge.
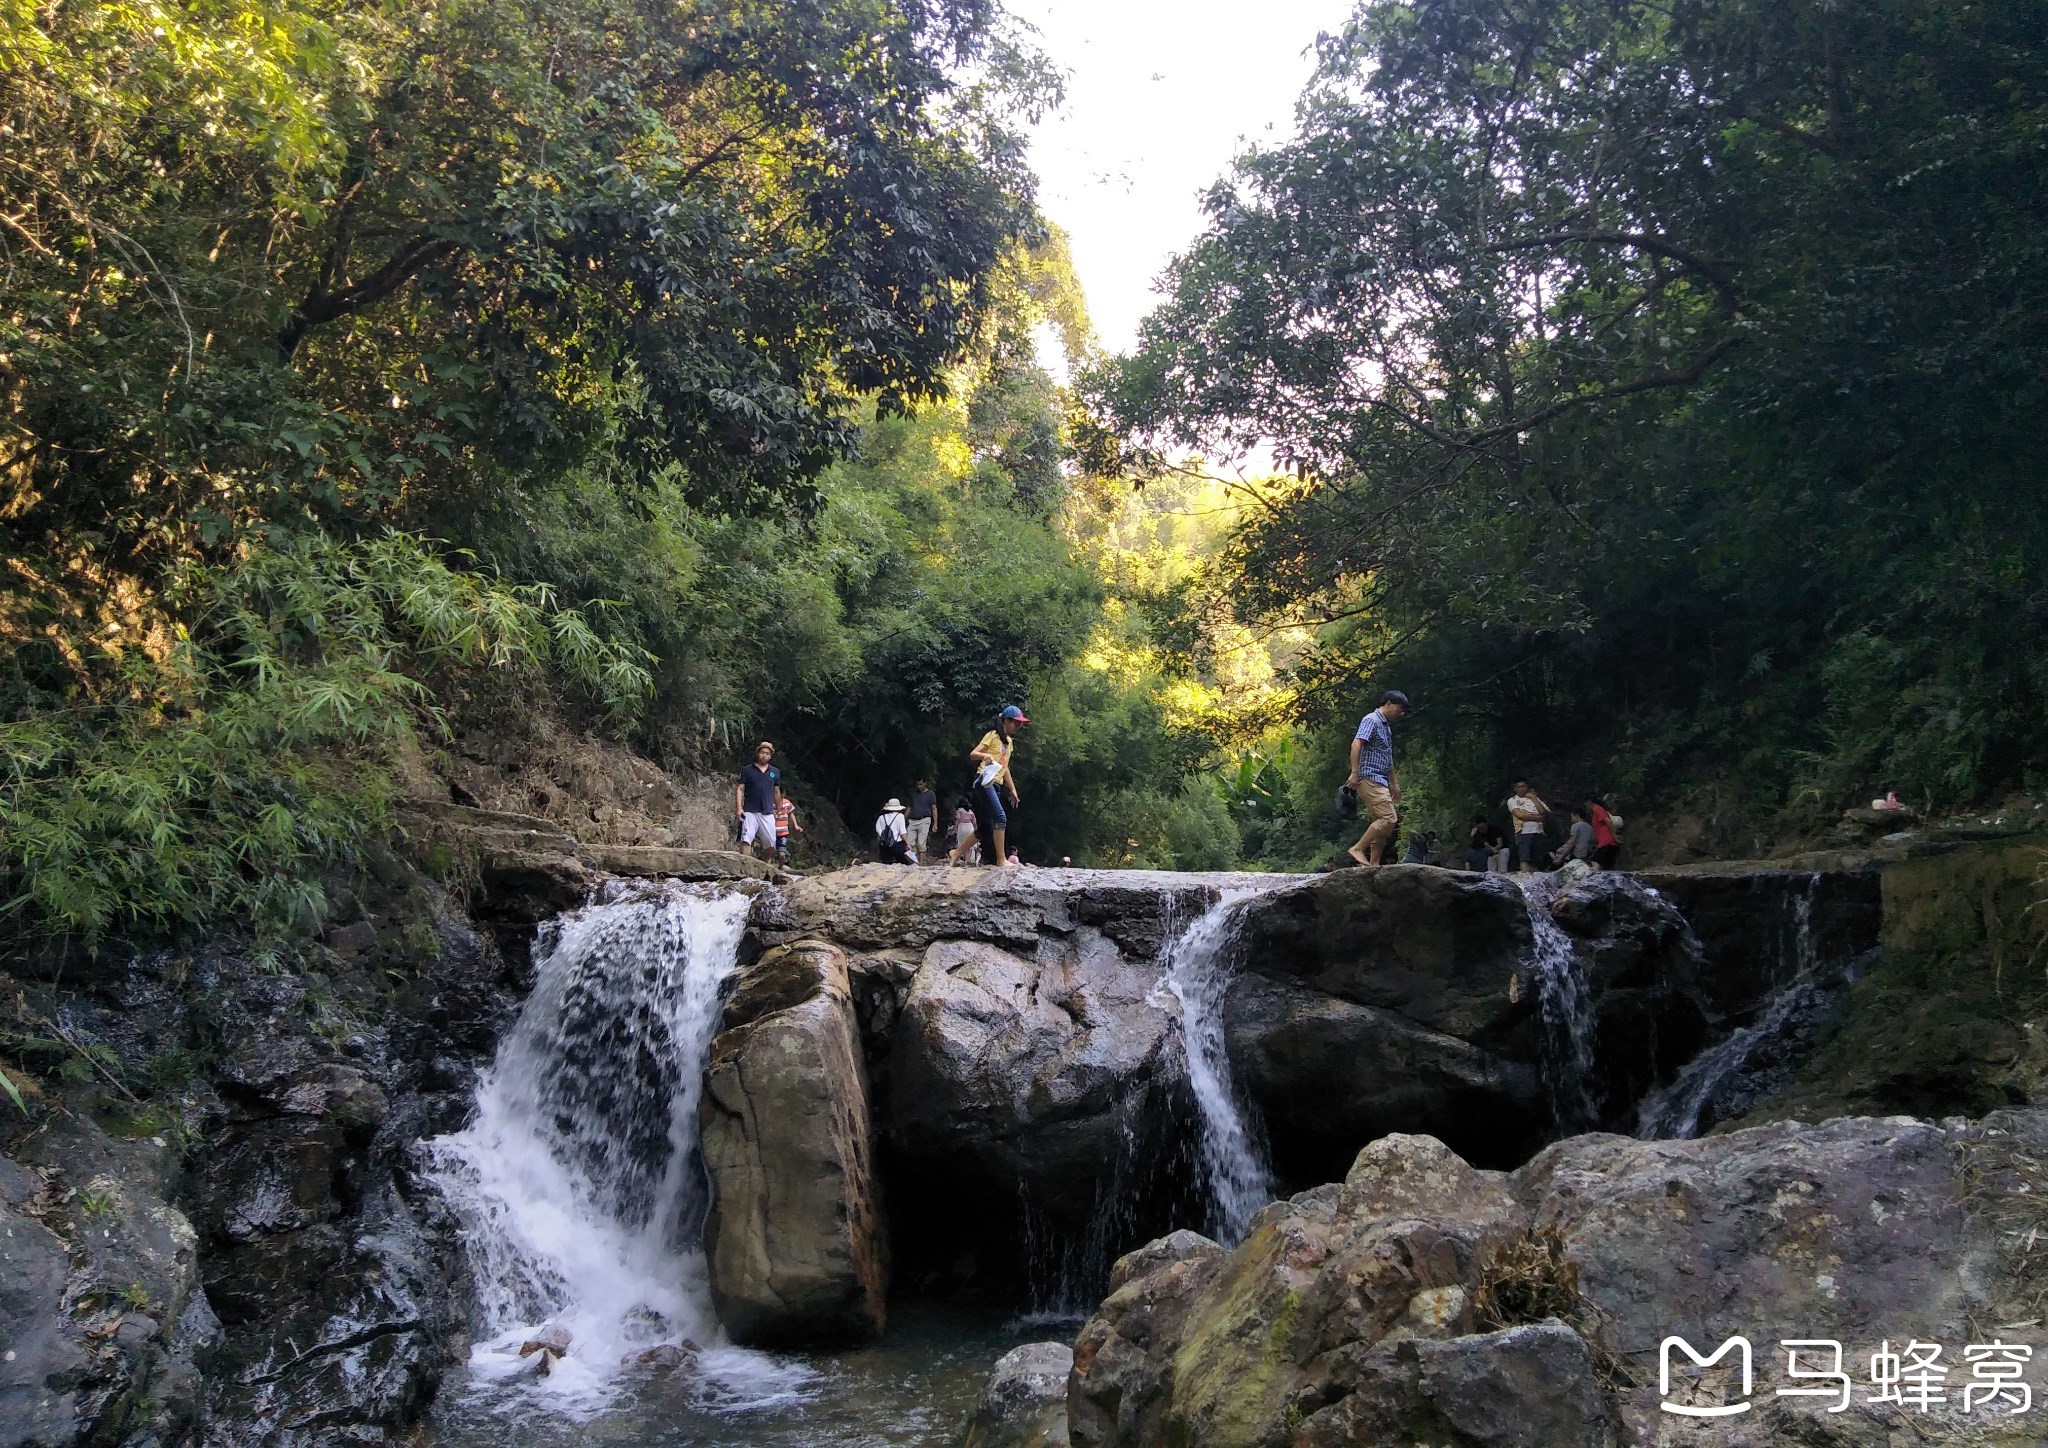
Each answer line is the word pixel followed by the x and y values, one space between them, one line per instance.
pixel 798 1254
pixel 1411 998
pixel 1123 1359
pixel 1859 1231
pixel 1025 1402
pixel 1436 947
pixel 1330 1075
pixel 1425 1301
pixel 1199 1347
pixel 1029 1093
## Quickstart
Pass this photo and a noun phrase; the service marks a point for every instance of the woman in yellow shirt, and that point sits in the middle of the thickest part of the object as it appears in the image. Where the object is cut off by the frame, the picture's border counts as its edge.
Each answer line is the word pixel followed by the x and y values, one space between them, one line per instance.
pixel 992 780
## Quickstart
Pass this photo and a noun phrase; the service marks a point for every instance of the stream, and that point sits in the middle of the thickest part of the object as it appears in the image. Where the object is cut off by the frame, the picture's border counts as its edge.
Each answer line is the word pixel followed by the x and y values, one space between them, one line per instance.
pixel 580 1196
pixel 913 1389
pixel 579 1191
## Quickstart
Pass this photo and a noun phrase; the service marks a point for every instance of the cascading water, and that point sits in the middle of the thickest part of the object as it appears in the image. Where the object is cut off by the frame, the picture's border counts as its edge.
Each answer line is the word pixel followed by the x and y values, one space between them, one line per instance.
pixel 1802 926
pixel 1731 1075
pixel 1233 1160
pixel 1566 1003
pixel 1750 1064
pixel 577 1184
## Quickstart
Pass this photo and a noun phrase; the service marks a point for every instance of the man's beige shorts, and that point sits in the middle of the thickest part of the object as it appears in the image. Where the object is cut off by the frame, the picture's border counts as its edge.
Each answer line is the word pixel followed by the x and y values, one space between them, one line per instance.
pixel 1376 801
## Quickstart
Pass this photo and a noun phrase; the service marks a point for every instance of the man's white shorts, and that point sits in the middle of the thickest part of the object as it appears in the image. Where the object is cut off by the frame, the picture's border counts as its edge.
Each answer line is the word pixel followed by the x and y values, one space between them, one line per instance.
pixel 757 829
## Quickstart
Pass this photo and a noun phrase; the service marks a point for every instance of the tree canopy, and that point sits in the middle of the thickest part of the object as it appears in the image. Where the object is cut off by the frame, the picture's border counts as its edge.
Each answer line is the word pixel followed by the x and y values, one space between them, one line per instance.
pixel 1658 384
pixel 1654 387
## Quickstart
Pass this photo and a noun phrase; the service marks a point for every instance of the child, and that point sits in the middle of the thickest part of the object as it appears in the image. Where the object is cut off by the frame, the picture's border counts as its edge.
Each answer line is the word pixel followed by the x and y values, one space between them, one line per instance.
pixel 785 822
pixel 966 850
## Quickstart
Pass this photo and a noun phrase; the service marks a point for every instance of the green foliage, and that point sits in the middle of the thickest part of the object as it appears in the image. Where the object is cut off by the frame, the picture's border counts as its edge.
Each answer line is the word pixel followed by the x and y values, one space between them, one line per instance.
pixel 248 753
pixel 1154 828
pixel 331 263
pixel 1659 392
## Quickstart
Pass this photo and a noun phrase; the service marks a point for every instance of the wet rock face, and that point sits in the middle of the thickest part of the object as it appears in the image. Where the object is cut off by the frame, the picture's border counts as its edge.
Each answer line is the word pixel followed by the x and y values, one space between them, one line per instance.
pixel 1369 1311
pixel 1029 1095
pixel 1025 1402
pixel 1759 928
pixel 341 1296
pixel 102 1319
pixel 247 1248
pixel 1410 999
pixel 797 1249
pixel 1027 1076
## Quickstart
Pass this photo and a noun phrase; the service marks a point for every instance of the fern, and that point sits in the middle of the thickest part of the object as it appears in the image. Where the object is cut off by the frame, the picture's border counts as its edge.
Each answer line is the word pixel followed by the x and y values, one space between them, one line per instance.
pixel 218 779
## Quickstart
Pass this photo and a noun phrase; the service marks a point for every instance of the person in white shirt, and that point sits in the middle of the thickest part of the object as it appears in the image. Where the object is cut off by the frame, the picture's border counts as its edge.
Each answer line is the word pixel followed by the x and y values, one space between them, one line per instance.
pixel 1527 809
pixel 966 848
pixel 891 829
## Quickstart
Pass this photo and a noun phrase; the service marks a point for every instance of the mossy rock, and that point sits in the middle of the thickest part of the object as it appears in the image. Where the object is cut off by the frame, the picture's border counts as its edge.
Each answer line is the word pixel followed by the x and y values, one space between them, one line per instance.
pixel 1987 896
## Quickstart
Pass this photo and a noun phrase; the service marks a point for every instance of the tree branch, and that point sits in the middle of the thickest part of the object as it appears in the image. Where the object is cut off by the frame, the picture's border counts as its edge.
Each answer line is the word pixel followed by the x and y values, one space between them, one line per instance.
pixel 323 304
pixel 1714 272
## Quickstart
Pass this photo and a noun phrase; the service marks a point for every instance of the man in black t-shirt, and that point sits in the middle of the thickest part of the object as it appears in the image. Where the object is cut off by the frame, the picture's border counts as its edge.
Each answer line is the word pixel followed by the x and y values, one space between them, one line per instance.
pixel 753 800
pixel 924 819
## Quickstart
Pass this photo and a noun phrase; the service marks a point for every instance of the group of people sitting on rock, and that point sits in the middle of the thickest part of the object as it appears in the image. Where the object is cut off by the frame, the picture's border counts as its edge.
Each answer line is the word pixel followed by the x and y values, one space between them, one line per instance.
pixel 1593 836
pixel 1373 789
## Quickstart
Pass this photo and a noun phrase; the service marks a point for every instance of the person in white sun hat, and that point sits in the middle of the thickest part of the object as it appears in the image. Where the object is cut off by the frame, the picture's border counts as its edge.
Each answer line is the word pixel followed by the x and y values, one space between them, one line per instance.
pixel 890 830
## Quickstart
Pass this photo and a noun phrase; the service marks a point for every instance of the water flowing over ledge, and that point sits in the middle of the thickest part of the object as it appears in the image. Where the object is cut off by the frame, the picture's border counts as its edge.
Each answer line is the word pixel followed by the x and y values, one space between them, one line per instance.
pixel 1233 1154
pixel 577 1183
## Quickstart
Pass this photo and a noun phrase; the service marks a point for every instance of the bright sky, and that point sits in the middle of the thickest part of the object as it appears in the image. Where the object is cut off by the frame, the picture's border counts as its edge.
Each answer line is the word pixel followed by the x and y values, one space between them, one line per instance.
pixel 1161 94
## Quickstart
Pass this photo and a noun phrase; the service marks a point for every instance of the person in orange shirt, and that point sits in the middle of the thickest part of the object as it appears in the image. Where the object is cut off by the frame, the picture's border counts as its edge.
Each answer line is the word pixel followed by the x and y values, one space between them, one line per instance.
pixel 785 823
pixel 1606 843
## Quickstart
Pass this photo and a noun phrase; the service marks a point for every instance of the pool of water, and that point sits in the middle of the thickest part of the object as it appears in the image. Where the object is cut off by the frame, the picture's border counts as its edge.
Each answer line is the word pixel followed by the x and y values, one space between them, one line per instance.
pixel 913 1389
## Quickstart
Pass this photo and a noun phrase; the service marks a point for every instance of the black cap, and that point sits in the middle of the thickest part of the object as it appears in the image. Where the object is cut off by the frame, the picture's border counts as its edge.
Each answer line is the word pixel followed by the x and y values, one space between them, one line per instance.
pixel 1394 696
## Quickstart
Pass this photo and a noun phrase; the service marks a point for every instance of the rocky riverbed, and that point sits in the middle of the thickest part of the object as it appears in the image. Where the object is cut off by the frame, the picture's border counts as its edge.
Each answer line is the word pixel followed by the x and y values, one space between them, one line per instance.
pixel 919 1087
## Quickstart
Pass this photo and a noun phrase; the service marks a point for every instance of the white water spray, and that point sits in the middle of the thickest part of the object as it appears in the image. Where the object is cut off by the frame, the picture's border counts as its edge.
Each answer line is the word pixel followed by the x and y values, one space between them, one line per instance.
pixel 1803 951
pixel 1198 973
pixel 577 1183
pixel 1566 1002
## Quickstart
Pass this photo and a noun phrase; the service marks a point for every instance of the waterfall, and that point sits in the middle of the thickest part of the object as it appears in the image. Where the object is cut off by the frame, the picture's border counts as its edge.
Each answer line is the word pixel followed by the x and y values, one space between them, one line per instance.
pixel 1566 1003
pixel 1802 926
pixel 1752 1063
pixel 576 1184
pixel 1233 1160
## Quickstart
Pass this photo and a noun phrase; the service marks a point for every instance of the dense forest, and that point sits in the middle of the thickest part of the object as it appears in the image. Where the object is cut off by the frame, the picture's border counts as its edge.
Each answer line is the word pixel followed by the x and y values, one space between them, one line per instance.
pixel 1655 387
pixel 1660 387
